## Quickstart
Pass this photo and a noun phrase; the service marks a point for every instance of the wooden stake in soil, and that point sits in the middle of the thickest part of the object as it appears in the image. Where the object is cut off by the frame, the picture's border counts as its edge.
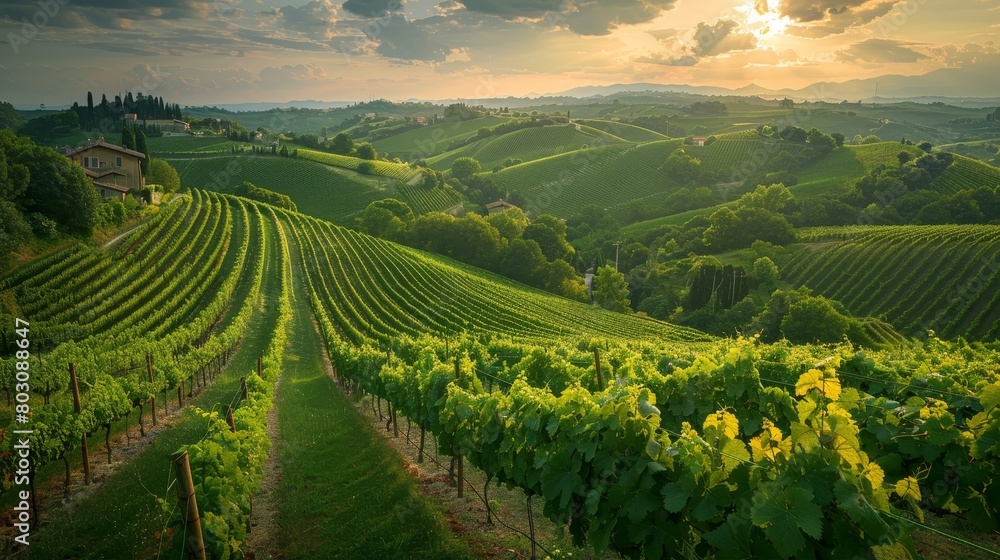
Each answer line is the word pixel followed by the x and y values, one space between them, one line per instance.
pixel 395 425
pixel 243 389
pixel 83 439
pixel 180 395
pixel 260 367
pixel 194 546
pixel 461 476
pixel 230 421
pixel 149 371
pixel 420 454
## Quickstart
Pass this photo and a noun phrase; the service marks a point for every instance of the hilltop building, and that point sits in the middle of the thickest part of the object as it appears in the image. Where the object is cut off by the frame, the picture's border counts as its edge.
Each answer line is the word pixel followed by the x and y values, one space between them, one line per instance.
pixel 498 206
pixel 113 170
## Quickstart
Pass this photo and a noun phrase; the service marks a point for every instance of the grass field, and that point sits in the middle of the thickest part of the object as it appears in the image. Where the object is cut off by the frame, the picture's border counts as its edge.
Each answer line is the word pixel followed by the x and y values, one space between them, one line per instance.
pixel 343 491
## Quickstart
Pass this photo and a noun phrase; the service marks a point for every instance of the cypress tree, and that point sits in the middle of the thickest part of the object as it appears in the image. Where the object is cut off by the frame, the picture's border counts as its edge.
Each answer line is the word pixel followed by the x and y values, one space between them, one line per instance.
pixel 140 146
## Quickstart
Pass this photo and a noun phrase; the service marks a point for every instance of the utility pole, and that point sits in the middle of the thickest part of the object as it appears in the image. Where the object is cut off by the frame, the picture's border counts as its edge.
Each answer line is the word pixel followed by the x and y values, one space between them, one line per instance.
pixel 617 245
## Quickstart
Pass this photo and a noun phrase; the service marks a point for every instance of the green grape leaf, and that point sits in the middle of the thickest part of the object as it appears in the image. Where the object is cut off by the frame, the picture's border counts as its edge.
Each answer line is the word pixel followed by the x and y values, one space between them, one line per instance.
pixel 908 488
pixel 560 478
pixel 990 397
pixel 674 496
pixel 732 538
pixel 785 514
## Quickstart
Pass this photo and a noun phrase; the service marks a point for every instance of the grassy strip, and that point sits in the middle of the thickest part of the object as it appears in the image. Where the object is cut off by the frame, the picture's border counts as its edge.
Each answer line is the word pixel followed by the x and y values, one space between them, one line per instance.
pixel 344 492
pixel 228 467
pixel 123 518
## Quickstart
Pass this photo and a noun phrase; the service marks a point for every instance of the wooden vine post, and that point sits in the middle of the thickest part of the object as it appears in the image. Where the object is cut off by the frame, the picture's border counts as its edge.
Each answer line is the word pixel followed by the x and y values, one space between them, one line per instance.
pixel 83 439
pixel 152 400
pixel 597 367
pixel 180 395
pixel 243 389
pixel 461 463
pixel 229 419
pixel 260 367
pixel 194 545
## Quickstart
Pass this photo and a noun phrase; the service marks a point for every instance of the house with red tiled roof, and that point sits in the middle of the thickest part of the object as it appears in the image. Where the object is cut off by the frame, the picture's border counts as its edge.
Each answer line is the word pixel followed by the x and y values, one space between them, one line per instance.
pixel 113 169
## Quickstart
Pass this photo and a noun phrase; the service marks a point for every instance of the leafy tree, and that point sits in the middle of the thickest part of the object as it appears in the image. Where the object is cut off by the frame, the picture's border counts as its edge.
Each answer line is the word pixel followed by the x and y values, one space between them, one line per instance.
pixel 49 127
pixel 814 319
pixel 342 144
pixel 611 290
pixel 772 197
pixel 561 278
pixel 310 140
pixel 821 142
pixel 871 139
pixel 839 138
pixel 465 167
pixel 794 134
pixel 632 255
pixel 926 146
pixel 14 230
pixel 550 234
pixel 765 271
pixel 364 150
pixel 388 218
pixel 682 168
pixel 509 223
pixel 162 173
pixel 9 117
pixel 522 260
pixel 59 189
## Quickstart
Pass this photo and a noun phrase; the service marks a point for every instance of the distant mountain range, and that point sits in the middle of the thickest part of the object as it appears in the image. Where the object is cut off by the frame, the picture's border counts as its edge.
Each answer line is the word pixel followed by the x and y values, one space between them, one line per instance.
pixel 973 85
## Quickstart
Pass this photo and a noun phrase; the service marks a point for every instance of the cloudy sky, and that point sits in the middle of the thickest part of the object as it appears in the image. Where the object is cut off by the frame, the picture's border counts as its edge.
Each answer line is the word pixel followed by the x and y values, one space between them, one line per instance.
pixel 232 51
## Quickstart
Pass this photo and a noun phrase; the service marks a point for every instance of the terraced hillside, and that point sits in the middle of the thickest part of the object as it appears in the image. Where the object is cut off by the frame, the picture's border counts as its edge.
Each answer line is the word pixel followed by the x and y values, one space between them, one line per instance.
pixel 942 278
pixel 433 139
pixel 967 173
pixel 330 193
pixel 624 131
pixel 605 176
pixel 377 290
pixel 398 171
pixel 325 191
pixel 511 381
pixel 526 145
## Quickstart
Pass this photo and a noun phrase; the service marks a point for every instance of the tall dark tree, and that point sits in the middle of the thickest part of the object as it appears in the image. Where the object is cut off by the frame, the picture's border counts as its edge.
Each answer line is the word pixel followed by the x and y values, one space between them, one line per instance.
pixel 89 122
pixel 128 137
pixel 141 146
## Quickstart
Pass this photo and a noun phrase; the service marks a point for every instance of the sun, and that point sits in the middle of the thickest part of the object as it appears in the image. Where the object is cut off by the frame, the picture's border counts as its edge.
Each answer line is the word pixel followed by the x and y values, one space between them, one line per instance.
pixel 763 19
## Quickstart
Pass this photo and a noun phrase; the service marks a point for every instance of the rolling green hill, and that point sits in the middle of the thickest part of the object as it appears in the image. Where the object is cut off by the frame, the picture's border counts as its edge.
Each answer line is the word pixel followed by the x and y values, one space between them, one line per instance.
pixel 967 173
pixel 327 192
pixel 526 145
pixel 433 139
pixel 397 171
pixel 943 278
pixel 191 146
pixel 605 176
pixel 624 131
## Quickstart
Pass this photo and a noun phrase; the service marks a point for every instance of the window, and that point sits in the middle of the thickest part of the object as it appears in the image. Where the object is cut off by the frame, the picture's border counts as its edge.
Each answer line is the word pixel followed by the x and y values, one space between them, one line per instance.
pixel 118 161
